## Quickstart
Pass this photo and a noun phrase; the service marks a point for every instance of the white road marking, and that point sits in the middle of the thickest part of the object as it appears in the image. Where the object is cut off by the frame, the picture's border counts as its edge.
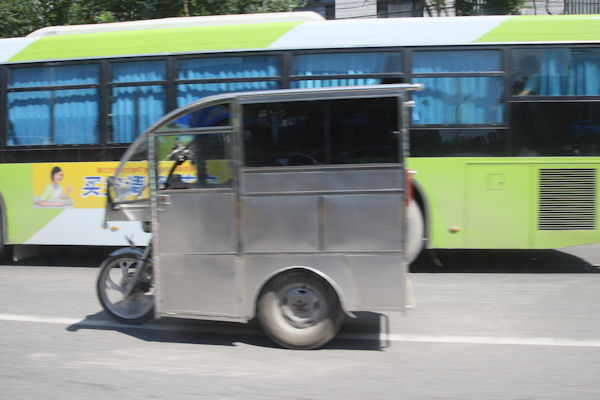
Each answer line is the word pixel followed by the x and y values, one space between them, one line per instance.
pixel 491 340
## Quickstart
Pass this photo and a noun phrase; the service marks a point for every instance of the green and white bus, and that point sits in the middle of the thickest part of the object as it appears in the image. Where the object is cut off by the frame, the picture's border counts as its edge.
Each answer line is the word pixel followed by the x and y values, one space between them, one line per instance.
pixel 504 141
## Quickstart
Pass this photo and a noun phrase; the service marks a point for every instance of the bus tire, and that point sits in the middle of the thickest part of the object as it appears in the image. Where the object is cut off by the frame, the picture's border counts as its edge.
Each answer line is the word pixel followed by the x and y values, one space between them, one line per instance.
pixel 415 231
pixel 299 310
pixel 3 246
pixel 113 275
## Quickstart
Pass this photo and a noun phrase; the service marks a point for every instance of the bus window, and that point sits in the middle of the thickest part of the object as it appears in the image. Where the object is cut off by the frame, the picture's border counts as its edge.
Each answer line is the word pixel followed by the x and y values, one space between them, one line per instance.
pixel 47 117
pixel 216 75
pixel 555 128
pixel 556 72
pixel 464 99
pixel 48 106
pixel 352 65
pixel 133 107
pixel 458 142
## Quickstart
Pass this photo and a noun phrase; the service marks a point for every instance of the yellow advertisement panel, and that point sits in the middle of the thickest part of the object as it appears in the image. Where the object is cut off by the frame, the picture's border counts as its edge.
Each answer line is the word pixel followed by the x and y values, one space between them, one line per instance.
pixel 81 185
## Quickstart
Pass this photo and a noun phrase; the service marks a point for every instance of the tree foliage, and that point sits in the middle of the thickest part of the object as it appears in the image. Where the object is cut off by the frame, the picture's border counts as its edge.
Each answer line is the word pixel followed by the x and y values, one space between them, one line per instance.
pixel 20 17
pixel 487 7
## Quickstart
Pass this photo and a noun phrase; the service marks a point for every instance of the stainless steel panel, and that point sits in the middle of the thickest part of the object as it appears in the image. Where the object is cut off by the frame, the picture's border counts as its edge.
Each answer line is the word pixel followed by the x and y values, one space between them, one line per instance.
pixel 323 180
pixel 381 281
pixel 197 222
pixel 362 222
pixel 280 223
pixel 195 284
pixel 364 282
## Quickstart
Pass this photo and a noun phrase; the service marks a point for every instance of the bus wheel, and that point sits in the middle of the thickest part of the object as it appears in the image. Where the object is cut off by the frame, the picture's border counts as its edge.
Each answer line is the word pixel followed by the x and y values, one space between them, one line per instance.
pixel 415 233
pixel 114 274
pixel 2 245
pixel 299 310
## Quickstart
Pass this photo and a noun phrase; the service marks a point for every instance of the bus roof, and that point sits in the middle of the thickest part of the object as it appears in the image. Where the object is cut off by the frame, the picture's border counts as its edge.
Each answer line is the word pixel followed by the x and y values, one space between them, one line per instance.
pixel 280 31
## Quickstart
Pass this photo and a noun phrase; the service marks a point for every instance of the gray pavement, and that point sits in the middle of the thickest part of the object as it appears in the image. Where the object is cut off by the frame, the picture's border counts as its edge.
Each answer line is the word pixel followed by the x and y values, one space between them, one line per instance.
pixel 470 336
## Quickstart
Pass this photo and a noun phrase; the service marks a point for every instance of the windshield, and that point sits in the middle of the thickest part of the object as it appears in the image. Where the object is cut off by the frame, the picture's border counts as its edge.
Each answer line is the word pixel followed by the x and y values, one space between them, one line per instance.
pixel 131 182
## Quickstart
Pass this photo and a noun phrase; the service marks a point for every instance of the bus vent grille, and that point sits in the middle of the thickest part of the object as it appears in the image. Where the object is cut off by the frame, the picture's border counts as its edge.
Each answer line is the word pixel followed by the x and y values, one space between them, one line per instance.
pixel 567 199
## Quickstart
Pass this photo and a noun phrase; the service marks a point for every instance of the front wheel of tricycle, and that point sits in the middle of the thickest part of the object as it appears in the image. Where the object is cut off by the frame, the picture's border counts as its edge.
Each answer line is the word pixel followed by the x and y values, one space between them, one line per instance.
pixel 299 310
pixel 115 273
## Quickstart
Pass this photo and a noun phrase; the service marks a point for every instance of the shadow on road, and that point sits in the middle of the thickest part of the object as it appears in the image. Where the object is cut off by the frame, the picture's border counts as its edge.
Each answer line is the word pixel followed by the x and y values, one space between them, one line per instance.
pixel 501 261
pixel 70 256
pixel 360 333
pixel 471 261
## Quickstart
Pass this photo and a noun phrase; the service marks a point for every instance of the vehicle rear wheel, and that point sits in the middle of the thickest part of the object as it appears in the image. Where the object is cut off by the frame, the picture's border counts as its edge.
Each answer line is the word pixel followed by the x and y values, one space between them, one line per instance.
pixel 415 232
pixel 3 247
pixel 114 275
pixel 299 310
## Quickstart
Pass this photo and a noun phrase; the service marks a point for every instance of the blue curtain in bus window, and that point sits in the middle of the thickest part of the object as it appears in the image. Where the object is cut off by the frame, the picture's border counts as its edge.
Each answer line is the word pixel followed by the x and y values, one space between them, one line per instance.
pixel 44 117
pixel 187 93
pixel 54 76
pixel 343 64
pixel 223 68
pixel 553 75
pixel 139 71
pixel 29 116
pixel 76 116
pixel 556 72
pixel 584 74
pixel 318 83
pixel 456 61
pixel 229 67
pixel 458 100
pixel 53 117
pixel 468 100
pixel 134 109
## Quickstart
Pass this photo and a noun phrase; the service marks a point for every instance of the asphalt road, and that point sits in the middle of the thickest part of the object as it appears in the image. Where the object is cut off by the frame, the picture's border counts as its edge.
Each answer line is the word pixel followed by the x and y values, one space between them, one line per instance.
pixel 471 336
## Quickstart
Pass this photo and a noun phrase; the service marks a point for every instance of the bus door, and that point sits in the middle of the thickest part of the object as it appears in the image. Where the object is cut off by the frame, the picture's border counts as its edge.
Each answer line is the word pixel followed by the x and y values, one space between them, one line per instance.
pixel 195 239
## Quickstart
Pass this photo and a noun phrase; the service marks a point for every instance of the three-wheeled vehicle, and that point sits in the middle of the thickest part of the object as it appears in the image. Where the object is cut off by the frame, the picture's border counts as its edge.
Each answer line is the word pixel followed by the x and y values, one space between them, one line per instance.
pixel 288 206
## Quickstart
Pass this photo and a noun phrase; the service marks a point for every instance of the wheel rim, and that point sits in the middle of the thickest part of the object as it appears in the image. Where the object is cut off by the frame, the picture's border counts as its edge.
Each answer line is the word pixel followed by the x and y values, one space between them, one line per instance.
pixel 141 300
pixel 302 306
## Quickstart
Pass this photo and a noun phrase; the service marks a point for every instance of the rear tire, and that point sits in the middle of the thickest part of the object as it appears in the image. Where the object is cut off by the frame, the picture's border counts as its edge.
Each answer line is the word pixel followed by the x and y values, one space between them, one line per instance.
pixel 299 310
pixel 114 274
pixel 3 247
pixel 415 232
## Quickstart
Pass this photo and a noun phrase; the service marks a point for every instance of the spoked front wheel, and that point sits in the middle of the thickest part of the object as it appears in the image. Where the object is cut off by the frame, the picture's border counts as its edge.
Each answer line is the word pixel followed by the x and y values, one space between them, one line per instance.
pixel 116 273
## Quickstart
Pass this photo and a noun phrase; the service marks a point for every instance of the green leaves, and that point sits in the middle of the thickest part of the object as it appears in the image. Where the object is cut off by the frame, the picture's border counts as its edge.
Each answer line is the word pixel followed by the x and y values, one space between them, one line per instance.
pixel 20 17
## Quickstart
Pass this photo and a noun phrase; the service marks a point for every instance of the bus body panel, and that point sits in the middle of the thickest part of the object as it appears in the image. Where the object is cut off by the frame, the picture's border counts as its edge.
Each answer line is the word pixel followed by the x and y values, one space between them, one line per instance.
pixel 502 206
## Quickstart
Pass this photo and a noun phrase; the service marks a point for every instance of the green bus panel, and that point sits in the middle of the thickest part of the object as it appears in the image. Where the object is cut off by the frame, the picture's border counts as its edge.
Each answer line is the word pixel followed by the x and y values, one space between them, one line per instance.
pixel 498 206
pixel 159 41
pixel 495 203
pixel 544 28
pixel 23 219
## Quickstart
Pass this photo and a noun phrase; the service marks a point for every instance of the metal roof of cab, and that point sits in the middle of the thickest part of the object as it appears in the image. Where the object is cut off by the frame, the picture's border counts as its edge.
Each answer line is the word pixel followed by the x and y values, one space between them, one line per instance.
pixel 284 95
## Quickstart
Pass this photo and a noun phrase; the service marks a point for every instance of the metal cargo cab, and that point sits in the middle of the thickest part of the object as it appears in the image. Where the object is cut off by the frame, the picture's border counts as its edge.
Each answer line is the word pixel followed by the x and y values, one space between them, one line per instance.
pixel 285 205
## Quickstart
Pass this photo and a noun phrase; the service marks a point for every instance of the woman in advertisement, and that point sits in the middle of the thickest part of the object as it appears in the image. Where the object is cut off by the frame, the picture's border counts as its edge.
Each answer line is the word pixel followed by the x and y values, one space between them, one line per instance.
pixel 54 195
